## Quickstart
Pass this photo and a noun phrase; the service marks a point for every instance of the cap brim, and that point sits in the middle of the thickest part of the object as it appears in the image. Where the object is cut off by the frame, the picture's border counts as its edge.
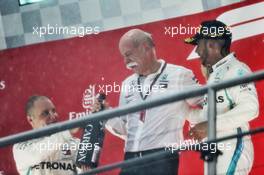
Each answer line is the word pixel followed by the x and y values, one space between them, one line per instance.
pixel 192 40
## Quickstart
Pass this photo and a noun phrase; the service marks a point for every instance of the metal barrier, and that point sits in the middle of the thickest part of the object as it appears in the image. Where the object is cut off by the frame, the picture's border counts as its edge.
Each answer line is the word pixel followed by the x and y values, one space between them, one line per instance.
pixel 167 154
pixel 111 113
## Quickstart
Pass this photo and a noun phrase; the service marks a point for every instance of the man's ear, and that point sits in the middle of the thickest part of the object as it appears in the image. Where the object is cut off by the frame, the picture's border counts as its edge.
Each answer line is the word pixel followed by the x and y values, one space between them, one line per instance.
pixel 210 44
pixel 30 121
pixel 146 47
pixel 214 44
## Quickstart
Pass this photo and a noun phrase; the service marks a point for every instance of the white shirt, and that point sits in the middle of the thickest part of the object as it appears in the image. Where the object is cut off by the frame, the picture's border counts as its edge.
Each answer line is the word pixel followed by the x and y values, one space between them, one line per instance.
pixel 236 106
pixel 163 124
pixel 52 155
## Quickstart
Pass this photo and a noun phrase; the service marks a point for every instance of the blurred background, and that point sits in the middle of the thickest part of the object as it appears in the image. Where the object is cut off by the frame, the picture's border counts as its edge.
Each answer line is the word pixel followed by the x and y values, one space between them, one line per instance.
pixel 17 22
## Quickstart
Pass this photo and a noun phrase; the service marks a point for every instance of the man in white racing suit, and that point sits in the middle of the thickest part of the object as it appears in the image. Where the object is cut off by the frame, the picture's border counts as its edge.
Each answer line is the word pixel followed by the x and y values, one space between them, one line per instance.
pixel 50 155
pixel 236 106
pixel 154 129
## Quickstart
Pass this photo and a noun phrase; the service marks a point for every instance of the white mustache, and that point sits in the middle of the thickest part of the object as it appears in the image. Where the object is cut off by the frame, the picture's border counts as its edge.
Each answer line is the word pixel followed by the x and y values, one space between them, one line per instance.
pixel 131 64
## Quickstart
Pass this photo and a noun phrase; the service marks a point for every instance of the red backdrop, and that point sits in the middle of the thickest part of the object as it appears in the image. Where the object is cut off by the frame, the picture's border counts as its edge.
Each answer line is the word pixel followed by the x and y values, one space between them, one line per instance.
pixel 63 70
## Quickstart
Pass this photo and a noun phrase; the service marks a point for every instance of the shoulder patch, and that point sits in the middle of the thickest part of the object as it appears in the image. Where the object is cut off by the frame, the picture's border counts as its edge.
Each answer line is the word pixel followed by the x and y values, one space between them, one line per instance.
pixel 23 145
pixel 241 72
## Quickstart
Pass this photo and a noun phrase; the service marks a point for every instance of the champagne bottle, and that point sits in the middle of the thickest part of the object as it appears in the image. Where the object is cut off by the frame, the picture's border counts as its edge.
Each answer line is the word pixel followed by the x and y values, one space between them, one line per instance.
pixel 92 141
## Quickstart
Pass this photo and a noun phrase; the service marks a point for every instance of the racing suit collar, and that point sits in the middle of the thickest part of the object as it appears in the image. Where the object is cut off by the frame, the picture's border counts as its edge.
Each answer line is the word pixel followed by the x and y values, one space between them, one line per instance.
pixel 226 59
pixel 162 64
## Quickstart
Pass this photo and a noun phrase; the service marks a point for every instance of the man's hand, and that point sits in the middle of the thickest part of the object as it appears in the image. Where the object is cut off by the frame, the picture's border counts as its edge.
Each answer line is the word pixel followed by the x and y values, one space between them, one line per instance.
pixel 74 131
pixel 97 105
pixel 199 131
pixel 85 168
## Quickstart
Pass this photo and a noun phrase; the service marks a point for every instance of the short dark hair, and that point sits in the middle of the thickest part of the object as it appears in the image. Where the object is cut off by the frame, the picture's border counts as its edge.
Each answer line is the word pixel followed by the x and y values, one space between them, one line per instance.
pixel 224 46
pixel 30 103
pixel 225 50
